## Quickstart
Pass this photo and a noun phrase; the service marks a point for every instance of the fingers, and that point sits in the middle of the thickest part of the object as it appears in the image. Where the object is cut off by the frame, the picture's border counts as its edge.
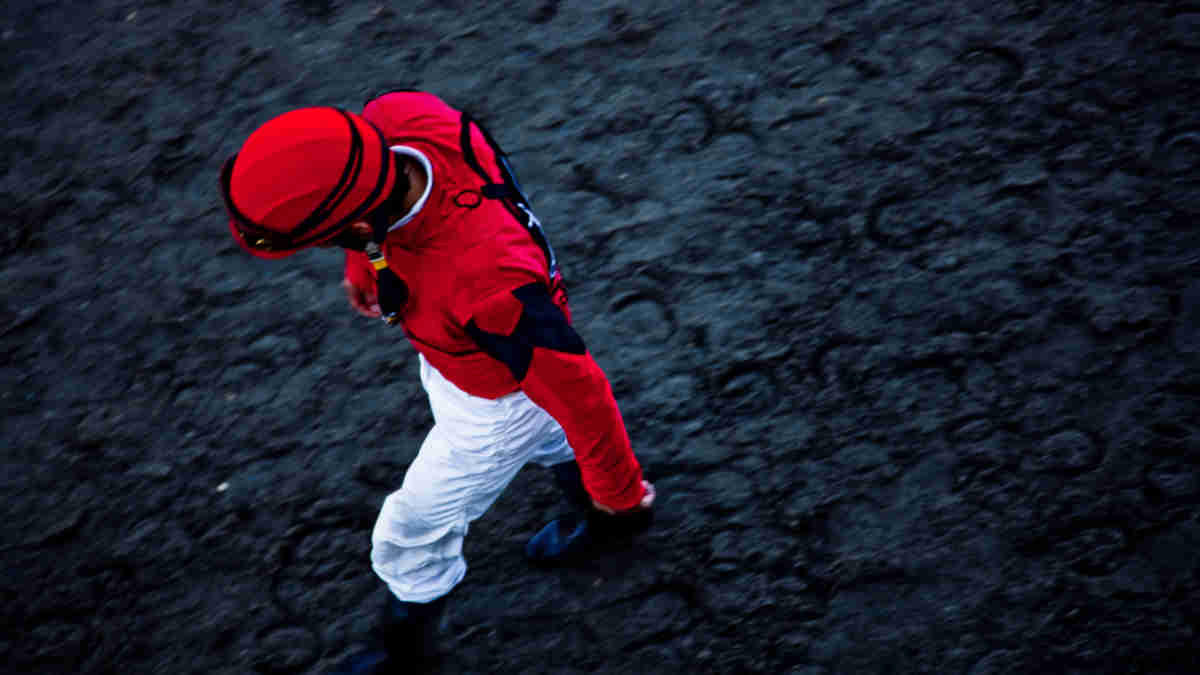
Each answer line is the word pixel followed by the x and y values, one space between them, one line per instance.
pixel 363 303
pixel 648 499
pixel 646 503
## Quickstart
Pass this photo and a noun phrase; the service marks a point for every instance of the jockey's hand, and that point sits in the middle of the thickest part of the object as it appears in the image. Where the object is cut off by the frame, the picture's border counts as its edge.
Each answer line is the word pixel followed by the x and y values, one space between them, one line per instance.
pixel 645 505
pixel 363 302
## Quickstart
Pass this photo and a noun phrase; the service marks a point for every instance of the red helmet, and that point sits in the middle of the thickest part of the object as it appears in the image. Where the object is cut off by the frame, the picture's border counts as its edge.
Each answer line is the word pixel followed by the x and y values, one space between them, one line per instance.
pixel 302 177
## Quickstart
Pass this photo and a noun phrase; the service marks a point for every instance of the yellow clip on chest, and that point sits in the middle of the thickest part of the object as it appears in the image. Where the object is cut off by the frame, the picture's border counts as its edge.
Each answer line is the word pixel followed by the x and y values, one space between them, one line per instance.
pixel 392 292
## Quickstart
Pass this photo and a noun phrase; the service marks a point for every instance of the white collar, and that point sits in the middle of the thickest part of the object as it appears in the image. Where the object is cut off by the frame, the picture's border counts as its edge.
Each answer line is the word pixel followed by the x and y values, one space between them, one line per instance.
pixel 424 161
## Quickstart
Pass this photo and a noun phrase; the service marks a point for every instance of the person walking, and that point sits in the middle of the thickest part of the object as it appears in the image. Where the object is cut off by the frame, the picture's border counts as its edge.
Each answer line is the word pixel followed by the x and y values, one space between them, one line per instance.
pixel 440 240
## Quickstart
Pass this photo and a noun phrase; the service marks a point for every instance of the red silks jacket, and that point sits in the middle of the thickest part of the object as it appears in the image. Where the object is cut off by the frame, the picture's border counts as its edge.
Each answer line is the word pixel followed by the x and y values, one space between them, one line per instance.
pixel 462 256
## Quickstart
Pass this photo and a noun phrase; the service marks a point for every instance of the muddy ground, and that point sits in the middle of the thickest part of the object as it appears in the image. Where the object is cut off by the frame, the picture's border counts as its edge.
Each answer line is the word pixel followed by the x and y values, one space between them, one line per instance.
pixel 901 302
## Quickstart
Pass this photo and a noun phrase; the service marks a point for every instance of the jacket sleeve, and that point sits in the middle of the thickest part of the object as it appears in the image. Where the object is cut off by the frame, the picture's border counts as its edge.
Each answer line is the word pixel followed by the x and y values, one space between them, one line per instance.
pixel 359 272
pixel 531 335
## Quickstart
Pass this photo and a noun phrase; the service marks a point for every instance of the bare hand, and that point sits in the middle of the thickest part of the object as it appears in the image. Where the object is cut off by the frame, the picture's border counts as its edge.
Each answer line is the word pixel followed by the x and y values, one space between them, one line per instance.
pixel 364 303
pixel 646 503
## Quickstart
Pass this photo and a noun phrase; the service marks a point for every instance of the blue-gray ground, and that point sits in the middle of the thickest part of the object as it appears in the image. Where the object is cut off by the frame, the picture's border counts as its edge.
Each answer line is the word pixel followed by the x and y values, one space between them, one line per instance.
pixel 901 301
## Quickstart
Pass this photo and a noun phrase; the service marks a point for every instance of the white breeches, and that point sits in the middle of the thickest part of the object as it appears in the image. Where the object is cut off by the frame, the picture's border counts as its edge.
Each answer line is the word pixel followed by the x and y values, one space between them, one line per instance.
pixel 473 451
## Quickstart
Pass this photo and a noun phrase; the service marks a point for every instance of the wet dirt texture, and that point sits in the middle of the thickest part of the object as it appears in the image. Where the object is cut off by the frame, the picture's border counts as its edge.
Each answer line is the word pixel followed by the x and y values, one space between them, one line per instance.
pixel 901 303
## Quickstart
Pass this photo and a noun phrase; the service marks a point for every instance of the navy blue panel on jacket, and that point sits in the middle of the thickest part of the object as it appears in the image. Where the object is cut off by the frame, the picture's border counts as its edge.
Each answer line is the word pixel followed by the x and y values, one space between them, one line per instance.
pixel 542 324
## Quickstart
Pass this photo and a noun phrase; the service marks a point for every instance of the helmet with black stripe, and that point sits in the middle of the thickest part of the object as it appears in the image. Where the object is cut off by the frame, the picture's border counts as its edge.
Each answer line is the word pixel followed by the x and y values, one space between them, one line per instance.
pixel 303 177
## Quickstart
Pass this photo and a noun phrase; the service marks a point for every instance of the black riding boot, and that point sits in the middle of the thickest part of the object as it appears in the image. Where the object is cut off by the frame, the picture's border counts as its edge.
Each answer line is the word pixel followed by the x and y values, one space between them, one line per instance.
pixel 565 538
pixel 575 536
pixel 408 632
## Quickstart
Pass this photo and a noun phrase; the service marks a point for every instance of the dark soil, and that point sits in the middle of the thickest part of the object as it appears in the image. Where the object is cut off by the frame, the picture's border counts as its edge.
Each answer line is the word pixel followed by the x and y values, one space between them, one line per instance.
pixel 901 302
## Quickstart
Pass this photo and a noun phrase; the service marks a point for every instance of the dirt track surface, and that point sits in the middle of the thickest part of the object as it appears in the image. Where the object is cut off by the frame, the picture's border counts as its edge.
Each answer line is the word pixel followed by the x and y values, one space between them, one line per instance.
pixel 901 302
